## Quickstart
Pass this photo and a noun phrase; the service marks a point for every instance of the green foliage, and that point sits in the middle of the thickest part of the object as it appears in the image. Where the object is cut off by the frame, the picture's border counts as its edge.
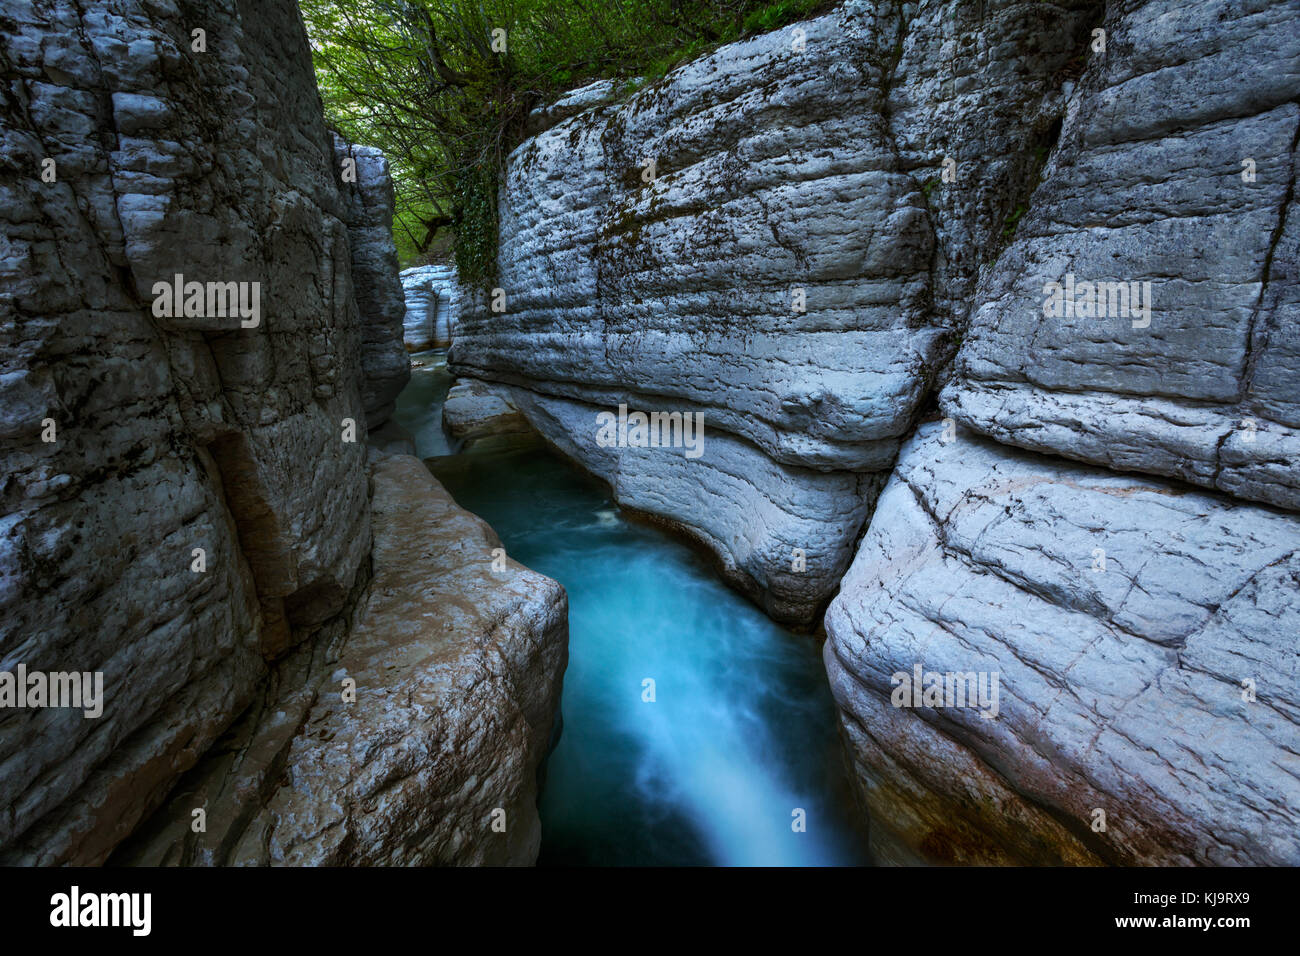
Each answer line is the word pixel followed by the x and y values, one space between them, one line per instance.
pixel 778 14
pixel 420 80
pixel 1010 222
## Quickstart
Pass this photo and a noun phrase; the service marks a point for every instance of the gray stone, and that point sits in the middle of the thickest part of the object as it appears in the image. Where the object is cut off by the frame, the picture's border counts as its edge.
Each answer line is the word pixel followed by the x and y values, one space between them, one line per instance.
pixel 173 433
pixel 385 369
pixel 779 172
pixel 475 410
pixel 1146 186
pixel 782 535
pixel 1120 689
pixel 457 670
pixel 432 300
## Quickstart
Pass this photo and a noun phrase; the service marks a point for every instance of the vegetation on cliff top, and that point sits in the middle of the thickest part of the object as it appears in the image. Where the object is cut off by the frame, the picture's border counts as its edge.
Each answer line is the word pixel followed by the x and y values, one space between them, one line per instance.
pixel 443 87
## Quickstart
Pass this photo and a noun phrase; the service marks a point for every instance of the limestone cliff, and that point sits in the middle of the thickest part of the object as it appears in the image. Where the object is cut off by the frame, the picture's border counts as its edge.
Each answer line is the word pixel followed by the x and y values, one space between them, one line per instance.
pixel 185 381
pixel 928 182
pixel 367 189
pixel 432 296
pixel 1144 631
pixel 762 238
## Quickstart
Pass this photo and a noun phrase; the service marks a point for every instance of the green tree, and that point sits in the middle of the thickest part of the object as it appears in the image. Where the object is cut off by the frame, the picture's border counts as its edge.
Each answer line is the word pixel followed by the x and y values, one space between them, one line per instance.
pixel 431 84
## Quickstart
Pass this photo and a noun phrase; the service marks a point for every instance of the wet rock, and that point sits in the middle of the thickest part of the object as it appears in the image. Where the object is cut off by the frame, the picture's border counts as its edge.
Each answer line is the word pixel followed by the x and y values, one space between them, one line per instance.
pixel 457 667
pixel 782 535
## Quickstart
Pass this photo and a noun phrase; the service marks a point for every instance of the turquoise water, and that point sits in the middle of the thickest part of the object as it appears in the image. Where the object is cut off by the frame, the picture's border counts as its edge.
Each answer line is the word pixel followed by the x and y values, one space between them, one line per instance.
pixel 741 733
pixel 419 407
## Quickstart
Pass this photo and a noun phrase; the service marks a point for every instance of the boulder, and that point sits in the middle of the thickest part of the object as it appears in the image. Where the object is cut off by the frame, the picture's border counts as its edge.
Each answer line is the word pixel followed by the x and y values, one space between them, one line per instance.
pixel 475 410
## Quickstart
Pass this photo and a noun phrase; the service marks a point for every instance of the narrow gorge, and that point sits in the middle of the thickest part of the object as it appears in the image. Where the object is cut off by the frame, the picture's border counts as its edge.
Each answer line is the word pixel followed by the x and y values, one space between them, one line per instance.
pixel 874 442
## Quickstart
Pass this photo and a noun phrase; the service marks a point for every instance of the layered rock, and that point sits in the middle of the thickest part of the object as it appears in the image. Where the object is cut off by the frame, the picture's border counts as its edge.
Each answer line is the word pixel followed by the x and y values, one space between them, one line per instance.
pixel 136 434
pixel 367 188
pixel 779 533
pixel 1142 630
pixel 1176 168
pixel 762 238
pixel 475 410
pixel 432 298
pixel 1143 637
pixel 430 754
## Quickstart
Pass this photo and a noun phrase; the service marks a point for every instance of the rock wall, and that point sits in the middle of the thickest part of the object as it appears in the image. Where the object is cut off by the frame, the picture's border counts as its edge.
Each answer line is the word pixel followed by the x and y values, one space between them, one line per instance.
pixel 431 756
pixel 186 507
pixel 1120 674
pixel 171 432
pixel 1143 631
pixel 924 174
pixel 432 304
pixel 1149 185
pixel 367 188
pixel 760 238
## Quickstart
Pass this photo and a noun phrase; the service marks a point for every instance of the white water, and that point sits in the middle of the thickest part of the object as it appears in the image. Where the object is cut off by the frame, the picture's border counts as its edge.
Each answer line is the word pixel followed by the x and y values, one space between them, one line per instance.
pixel 742 731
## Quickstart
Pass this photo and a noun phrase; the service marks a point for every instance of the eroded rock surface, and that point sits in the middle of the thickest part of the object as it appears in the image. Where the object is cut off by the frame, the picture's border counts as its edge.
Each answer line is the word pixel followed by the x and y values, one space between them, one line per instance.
pixel 1148 184
pixel 171 432
pixel 475 410
pixel 432 299
pixel 457 671
pixel 671 288
pixel 1122 615
pixel 385 369
pixel 762 238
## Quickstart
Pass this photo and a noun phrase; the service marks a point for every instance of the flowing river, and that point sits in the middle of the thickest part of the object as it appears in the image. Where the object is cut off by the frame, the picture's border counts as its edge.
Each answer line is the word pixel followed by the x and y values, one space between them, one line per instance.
pixel 738 746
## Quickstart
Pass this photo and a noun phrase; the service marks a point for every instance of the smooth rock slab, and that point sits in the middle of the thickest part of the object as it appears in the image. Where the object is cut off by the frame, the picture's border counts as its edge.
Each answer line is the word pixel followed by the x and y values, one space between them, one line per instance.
pixel 1120 690
pixel 475 410
pixel 458 670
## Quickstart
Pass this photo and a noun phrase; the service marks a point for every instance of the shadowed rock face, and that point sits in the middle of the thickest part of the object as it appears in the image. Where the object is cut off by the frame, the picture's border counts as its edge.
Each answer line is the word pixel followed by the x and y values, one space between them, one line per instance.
pixel 181 510
pixel 172 433
pixel 789 270
pixel 457 672
pixel 385 369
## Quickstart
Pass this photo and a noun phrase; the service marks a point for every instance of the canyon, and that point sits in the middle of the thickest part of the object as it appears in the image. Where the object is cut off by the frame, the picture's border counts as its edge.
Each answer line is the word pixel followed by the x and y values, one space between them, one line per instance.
pixel 837 241
pixel 832 242
pixel 176 434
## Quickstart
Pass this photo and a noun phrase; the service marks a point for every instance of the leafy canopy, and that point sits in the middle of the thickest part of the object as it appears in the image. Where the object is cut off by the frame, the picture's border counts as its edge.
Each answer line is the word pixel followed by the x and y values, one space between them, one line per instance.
pixel 424 81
